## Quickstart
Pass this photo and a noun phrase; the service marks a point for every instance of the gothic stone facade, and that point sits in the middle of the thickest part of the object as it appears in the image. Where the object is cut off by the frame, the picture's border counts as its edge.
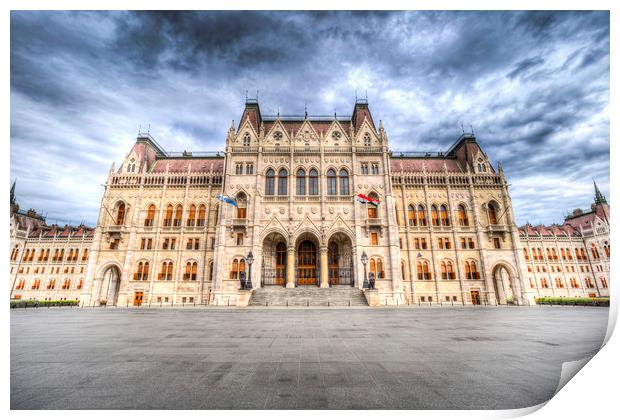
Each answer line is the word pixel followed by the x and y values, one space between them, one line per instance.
pixel 444 231
pixel 572 259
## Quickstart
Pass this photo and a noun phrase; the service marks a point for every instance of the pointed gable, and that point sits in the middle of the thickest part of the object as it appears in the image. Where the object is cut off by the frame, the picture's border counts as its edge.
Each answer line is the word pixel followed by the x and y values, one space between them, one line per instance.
pixel 361 112
pixel 252 114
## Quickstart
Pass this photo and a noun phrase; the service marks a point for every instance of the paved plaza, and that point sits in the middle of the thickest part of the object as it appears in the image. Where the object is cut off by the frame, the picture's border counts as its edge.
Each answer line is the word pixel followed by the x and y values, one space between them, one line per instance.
pixel 229 358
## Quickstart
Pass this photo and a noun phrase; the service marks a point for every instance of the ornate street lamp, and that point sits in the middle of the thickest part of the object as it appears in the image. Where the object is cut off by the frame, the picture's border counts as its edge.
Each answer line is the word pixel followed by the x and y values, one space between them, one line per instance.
pixel 250 260
pixel 365 261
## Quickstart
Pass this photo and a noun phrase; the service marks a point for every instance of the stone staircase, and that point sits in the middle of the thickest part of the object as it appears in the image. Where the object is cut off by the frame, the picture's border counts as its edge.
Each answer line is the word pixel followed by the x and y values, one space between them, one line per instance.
pixel 308 296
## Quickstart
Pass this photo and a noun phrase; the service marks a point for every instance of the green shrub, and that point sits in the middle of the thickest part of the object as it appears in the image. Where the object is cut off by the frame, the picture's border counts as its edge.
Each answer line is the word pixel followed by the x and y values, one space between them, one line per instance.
pixel 573 301
pixel 39 303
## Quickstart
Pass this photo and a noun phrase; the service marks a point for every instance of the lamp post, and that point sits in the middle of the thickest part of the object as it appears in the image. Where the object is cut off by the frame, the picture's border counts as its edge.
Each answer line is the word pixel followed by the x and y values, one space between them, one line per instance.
pixel 365 261
pixel 250 260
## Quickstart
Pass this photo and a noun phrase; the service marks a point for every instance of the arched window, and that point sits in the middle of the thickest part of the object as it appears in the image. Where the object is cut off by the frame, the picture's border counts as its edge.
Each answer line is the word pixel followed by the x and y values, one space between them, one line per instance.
pixel 168 217
pixel 166 271
pixel 191 218
pixel 421 215
pixel 282 182
pixel 376 268
pixel 594 250
pixel 246 139
pixel 301 182
pixel 178 215
pixel 462 216
pixel 443 214
pixel 142 271
pixel 150 216
pixel 120 214
pixel 270 182
pixel 423 270
pixel 372 208
pixel 492 213
pixel 413 221
pixel 313 182
pixel 450 271
pixel 344 182
pixel 238 266
pixel 331 182
pixel 434 215
pixel 242 203
pixel 202 215
pixel 191 271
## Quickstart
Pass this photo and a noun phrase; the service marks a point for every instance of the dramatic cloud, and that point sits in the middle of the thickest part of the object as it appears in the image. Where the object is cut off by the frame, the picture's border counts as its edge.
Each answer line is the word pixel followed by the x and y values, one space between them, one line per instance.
pixel 534 86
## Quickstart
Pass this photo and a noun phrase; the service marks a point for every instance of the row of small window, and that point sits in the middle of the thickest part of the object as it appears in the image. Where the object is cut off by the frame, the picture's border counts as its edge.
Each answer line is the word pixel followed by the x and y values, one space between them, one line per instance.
pixel 170 243
pixel 337 184
pixel 166 272
pixel 580 253
pixel 574 283
pixel 446 243
pixel 277 136
pixel 51 284
pixel 172 216
pixel 558 269
pixel 53 270
pixel 446 268
pixel 439 216
pixel 430 299
pixel 44 254
pixel 166 299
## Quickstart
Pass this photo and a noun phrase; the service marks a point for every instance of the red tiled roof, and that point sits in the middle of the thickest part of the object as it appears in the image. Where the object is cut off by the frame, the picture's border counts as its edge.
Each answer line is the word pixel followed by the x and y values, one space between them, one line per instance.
pixel 417 164
pixel 182 165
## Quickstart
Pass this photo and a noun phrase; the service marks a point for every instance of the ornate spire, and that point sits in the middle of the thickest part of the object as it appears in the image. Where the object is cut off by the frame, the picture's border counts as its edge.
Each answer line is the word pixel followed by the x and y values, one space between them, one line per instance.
pixel 13 192
pixel 599 198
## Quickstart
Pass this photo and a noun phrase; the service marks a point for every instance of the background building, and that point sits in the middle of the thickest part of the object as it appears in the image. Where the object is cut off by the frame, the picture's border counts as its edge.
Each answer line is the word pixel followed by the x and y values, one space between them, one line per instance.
pixel 443 231
pixel 571 259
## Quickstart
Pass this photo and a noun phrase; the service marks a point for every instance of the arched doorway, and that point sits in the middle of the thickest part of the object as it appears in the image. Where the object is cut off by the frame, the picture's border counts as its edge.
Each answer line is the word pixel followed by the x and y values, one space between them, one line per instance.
pixel 307 264
pixel 273 272
pixel 340 260
pixel 503 285
pixel 109 286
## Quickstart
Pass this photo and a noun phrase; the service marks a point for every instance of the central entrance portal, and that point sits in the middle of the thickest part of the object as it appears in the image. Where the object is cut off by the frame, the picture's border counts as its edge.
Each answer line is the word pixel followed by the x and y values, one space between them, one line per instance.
pixel 307 272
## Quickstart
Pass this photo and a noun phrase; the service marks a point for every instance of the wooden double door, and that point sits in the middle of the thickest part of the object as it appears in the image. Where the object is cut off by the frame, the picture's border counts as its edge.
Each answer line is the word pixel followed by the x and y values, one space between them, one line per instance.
pixel 307 267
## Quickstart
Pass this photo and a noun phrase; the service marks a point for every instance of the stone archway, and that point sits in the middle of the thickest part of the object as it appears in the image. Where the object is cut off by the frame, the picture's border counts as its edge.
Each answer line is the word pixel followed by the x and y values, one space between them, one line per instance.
pixel 274 260
pixel 310 258
pixel 503 284
pixel 108 287
pixel 340 260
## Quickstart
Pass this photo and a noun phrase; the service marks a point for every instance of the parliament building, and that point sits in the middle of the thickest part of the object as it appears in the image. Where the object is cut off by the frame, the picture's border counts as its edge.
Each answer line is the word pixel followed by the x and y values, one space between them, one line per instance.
pixel 313 203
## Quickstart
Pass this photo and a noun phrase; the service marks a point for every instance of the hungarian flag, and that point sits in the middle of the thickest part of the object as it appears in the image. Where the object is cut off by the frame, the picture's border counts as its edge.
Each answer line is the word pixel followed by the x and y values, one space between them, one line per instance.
pixel 227 200
pixel 367 200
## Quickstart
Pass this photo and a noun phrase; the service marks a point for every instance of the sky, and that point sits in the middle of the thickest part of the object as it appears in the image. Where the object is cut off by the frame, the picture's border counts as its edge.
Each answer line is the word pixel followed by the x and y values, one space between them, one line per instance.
pixel 534 87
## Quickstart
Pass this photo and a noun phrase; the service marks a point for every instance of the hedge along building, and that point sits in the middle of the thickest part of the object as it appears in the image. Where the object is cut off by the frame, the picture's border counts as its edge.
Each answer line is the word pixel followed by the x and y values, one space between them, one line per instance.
pixel 444 229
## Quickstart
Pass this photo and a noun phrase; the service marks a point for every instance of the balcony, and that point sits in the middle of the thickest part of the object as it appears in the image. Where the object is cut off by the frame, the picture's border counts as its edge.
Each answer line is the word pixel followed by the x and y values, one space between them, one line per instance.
pixel 239 223
pixel 276 149
pixel 497 229
pixel 366 150
pixel 115 228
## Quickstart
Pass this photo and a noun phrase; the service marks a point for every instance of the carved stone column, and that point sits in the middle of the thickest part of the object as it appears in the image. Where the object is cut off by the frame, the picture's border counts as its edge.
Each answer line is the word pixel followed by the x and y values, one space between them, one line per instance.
pixel 290 266
pixel 324 272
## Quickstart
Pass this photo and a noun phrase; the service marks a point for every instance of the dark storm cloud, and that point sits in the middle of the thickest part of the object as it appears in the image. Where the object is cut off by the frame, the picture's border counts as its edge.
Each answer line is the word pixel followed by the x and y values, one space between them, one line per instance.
pixel 534 86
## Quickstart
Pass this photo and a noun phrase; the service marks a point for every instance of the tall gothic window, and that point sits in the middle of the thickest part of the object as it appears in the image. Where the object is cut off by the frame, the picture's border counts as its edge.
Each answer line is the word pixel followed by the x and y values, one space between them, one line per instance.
pixel 246 140
pixel 462 216
pixel 443 214
pixel 242 203
pixel 331 182
pixel 270 182
pixel 301 182
pixel 344 182
pixel 168 218
pixel 202 214
pixel 313 182
pixel 150 216
pixel 282 182
pixel 411 216
pixel 434 215
pixel 492 213
pixel 191 218
pixel 120 214
pixel 373 213
pixel 367 140
pixel 178 215
pixel 421 215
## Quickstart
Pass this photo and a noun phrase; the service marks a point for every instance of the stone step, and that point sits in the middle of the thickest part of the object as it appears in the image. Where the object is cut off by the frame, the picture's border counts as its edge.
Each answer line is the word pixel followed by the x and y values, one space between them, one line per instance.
pixel 307 296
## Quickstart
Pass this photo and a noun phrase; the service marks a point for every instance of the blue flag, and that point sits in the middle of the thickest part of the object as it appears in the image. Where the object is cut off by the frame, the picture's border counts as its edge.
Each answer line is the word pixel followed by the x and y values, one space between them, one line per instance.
pixel 227 200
